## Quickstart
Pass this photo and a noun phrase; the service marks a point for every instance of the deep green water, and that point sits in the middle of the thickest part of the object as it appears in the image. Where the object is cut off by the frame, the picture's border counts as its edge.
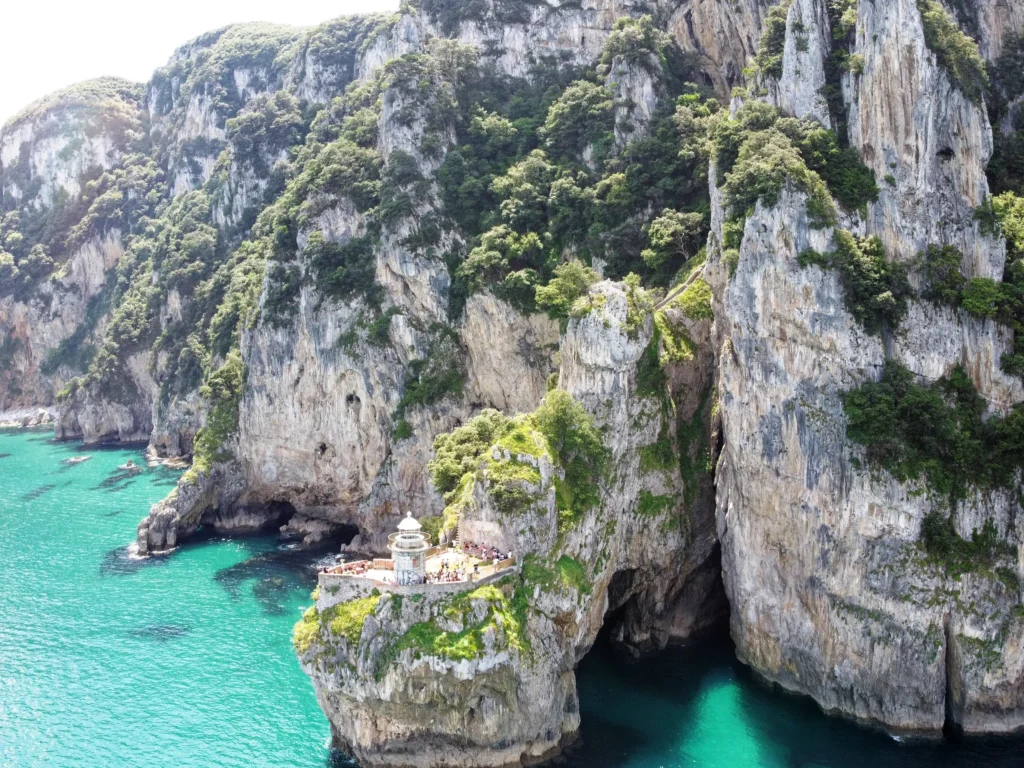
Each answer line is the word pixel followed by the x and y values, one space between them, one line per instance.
pixel 186 661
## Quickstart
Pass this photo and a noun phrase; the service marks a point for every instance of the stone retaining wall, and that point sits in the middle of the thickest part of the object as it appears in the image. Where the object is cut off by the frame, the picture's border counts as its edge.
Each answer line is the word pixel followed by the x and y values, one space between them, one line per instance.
pixel 338 588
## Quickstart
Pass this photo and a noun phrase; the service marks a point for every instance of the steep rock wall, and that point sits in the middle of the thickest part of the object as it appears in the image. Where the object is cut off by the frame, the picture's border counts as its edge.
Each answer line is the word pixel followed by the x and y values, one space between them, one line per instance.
pixel 831 593
pixel 514 700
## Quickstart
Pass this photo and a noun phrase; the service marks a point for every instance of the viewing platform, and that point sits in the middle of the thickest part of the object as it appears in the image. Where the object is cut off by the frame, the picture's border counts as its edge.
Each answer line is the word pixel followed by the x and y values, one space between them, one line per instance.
pixel 415 567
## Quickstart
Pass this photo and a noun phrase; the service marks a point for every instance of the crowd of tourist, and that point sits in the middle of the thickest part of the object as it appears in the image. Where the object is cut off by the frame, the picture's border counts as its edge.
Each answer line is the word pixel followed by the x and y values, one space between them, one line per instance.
pixel 482 552
pixel 448 574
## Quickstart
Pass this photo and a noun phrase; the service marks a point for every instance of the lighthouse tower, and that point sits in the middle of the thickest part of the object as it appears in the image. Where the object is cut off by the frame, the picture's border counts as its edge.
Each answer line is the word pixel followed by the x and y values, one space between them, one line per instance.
pixel 409 552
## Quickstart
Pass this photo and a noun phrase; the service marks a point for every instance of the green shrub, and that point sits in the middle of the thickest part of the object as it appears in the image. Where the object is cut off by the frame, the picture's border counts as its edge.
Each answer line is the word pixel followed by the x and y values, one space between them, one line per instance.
pixel 1006 216
pixel 635 41
pixel 650 375
pixel 639 305
pixel 572 280
pixel 440 374
pixel 659 455
pixel 403 431
pixel 694 453
pixel 344 270
pixel 9 348
pixel 958 555
pixel 266 125
pixel 810 257
pixel 347 619
pixel 460 452
pixel 572 573
pixel 582 116
pixel 695 301
pixel 676 344
pixel 651 505
pixel 842 17
pixel 850 181
pixel 306 630
pixel 936 432
pixel 510 485
pixel 957 53
pixel 875 290
pixel 504 618
pixel 765 160
pixel 223 391
pixel 773 40
pixel 674 236
pixel 576 445
pixel 565 573
pixel 281 297
pixel 944 283
pixel 982 297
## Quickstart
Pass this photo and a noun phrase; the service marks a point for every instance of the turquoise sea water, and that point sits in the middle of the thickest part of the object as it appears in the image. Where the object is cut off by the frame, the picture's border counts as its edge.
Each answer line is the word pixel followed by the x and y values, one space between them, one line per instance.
pixel 105 661
pixel 186 661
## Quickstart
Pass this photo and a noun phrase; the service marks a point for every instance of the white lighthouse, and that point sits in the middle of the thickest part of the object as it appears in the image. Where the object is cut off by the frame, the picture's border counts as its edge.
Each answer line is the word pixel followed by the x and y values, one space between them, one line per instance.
pixel 409 552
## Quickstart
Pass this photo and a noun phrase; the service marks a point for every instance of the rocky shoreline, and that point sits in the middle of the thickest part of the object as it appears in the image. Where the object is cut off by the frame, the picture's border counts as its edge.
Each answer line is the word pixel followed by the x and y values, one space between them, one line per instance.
pixel 28 417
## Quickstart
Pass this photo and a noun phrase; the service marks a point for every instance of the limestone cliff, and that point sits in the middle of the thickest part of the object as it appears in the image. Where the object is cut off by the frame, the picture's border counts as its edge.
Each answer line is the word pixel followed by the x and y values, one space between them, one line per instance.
pixel 731 232
pixel 53 299
pixel 832 592
pixel 485 676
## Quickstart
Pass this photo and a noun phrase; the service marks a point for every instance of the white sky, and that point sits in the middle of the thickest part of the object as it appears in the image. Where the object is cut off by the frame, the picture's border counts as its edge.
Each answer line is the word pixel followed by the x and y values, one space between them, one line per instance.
pixel 48 44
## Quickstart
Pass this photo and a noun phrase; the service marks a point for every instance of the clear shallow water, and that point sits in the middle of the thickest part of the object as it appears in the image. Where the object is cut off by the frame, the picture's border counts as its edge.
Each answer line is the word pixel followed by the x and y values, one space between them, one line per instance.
pixel 186 661
pixel 106 661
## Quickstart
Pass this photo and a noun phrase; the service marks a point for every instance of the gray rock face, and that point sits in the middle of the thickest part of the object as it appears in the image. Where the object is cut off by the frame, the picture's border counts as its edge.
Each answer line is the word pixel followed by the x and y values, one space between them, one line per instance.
pixel 513 700
pixel 724 34
pixel 830 592
pixel 200 497
pixel 912 124
pixel 38 325
pixel 808 42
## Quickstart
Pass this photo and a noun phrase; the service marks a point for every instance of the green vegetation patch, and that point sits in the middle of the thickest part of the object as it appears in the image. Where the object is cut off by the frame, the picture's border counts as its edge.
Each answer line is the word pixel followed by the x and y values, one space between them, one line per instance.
pixel 650 375
pixel 223 391
pixel 521 436
pixel 758 150
pixel 564 573
pixel 503 616
pixel 538 178
pixel 773 40
pixel 571 282
pixel 676 344
pixel 661 454
pixel 347 619
pixel 9 348
pixel 306 630
pixel 957 53
pixel 695 301
pixel 560 428
pixel 460 452
pixel 842 17
pixel 438 375
pixel 651 505
pixel 577 447
pixel 636 41
pixel 935 432
pixel 694 452
pixel 511 485
pixel 981 553
pixel 875 290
